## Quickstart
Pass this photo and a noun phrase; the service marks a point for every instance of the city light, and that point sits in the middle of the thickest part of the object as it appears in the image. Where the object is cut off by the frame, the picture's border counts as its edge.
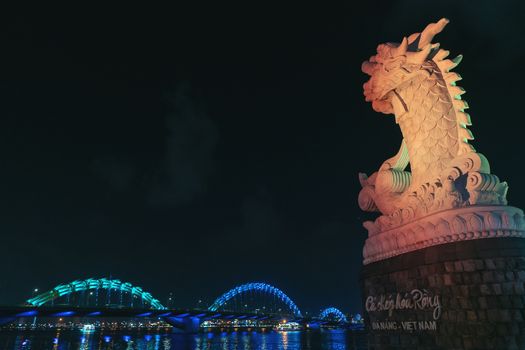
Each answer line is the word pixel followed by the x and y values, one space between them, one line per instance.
pixel 263 318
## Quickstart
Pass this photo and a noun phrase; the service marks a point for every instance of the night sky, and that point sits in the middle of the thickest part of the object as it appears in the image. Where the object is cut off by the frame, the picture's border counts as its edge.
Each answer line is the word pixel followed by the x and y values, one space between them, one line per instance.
pixel 194 148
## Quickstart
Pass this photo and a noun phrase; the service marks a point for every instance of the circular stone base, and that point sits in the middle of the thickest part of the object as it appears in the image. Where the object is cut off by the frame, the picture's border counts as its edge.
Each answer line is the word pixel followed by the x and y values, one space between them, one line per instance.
pixel 461 295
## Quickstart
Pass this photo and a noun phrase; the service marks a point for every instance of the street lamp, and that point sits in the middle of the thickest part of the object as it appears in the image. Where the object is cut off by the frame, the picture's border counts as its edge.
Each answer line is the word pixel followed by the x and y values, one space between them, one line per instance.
pixel 170 300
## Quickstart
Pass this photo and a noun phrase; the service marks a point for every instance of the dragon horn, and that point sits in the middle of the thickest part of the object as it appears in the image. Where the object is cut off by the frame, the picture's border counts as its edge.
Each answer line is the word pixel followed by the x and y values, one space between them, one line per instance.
pixel 419 57
pixel 401 49
pixel 430 31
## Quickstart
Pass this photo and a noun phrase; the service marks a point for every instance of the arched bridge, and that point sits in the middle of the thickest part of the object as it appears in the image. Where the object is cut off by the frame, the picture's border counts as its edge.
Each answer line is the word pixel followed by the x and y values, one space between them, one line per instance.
pixel 251 301
pixel 259 288
pixel 332 314
pixel 97 285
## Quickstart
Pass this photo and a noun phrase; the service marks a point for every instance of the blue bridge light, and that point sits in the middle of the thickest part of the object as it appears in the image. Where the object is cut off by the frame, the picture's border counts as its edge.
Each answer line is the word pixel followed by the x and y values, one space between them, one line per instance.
pixel 27 313
pixel 331 313
pixel 64 314
pixel 256 286
pixel 96 313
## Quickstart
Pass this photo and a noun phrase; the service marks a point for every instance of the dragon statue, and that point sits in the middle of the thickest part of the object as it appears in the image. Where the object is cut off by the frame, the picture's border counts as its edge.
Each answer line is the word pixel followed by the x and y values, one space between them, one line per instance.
pixel 413 81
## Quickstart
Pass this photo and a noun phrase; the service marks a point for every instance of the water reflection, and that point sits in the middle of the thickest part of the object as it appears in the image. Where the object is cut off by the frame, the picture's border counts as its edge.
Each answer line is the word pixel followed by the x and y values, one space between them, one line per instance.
pixel 241 340
pixel 334 339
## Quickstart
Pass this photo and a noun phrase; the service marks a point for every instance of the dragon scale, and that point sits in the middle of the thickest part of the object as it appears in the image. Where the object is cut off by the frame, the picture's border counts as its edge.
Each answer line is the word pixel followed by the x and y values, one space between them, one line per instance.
pixel 429 124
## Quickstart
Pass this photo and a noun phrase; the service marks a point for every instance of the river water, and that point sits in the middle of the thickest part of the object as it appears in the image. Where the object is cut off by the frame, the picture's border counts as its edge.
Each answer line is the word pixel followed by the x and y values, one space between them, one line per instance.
pixel 242 340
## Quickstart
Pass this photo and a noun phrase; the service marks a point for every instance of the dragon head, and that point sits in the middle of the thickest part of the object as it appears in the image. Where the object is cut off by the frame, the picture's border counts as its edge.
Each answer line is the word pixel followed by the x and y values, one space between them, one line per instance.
pixel 397 64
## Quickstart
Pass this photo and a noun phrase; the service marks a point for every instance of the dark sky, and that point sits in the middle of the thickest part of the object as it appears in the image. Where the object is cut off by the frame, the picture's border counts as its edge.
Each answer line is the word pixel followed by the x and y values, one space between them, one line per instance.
pixel 197 147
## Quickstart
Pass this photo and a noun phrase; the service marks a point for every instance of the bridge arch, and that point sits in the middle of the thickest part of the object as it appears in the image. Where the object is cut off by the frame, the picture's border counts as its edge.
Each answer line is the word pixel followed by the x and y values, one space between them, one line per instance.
pixel 256 286
pixel 93 284
pixel 332 313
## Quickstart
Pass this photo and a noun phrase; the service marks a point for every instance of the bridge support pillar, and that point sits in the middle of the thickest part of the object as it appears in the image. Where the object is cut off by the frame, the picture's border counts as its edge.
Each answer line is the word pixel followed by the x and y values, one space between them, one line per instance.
pixel 184 324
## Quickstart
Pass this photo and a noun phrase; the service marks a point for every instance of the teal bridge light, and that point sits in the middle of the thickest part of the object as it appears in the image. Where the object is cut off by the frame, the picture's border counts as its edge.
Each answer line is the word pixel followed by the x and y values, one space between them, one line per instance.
pixel 95 284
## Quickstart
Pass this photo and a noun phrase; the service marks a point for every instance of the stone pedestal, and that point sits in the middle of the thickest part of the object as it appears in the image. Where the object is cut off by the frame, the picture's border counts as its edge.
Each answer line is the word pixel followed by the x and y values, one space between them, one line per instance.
pixel 460 295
